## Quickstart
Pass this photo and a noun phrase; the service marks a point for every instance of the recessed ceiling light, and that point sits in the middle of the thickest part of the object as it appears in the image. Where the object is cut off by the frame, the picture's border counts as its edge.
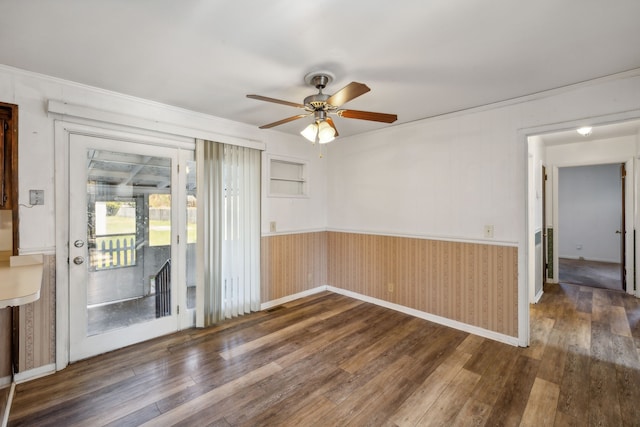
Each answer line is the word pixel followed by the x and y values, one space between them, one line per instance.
pixel 585 130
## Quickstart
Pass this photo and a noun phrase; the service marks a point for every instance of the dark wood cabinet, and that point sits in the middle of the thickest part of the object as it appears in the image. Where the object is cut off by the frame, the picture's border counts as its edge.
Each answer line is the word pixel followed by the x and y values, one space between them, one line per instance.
pixel 9 166
pixel 8 155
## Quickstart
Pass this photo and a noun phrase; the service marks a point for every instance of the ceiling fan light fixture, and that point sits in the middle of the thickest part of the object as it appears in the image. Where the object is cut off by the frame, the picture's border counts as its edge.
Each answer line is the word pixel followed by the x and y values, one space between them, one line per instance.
pixel 310 132
pixel 320 105
pixel 326 133
pixel 585 130
pixel 326 139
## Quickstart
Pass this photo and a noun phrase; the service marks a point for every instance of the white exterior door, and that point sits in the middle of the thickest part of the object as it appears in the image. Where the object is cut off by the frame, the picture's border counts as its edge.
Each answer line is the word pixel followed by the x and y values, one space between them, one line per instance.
pixel 125 260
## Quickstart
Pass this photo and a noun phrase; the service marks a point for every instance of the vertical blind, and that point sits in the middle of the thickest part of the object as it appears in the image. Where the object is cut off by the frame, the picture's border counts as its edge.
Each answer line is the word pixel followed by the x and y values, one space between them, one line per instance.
pixel 228 266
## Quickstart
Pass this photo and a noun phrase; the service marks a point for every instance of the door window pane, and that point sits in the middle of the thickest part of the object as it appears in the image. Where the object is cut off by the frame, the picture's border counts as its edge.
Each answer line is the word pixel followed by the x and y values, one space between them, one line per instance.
pixel 129 239
pixel 114 223
pixel 159 219
pixel 192 208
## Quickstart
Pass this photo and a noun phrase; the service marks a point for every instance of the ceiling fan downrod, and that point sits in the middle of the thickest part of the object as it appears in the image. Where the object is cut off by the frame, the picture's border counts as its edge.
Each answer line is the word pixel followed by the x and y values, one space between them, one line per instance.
pixel 320 81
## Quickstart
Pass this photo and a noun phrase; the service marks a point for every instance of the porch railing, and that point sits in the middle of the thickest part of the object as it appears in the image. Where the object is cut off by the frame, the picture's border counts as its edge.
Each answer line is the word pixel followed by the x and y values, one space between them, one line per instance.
pixel 163 290
pixel 114 251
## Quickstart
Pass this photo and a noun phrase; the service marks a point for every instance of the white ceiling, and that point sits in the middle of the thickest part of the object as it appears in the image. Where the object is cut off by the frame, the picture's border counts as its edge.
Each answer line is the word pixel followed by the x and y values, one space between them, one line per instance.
pixel 608 131
pixel 420 58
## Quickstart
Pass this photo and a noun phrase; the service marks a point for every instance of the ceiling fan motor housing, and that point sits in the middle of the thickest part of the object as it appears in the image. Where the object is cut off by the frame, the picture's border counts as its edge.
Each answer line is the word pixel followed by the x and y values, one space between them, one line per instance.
pixel 317 101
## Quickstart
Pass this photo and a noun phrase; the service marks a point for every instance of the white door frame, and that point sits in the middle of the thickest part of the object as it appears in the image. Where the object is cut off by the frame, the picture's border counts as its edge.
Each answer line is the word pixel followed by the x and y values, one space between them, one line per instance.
pixel 63 130
pixel 187 318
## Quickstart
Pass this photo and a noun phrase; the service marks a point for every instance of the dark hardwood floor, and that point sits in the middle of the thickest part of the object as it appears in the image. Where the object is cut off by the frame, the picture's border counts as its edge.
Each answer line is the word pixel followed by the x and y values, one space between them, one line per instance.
pixel 329 360
pixel 596 274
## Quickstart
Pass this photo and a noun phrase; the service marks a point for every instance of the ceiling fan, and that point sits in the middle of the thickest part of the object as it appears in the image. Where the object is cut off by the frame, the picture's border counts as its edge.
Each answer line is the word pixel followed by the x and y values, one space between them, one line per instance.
pixel 321 106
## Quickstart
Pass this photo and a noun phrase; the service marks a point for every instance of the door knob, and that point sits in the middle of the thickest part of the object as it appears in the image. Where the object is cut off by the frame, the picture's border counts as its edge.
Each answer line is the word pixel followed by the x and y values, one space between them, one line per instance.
pixel 618 232
pixel 78 243
pixel 78 260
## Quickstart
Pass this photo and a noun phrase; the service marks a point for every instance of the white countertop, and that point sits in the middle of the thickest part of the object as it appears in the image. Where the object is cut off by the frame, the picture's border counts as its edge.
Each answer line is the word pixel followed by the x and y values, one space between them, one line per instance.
pixel 20 280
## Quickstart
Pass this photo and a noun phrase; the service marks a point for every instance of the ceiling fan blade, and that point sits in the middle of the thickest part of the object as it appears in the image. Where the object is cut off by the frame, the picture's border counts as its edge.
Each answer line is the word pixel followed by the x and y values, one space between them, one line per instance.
pixel 368 115
pixel 347 93
pixel 283 121
pixel 333 125
pixel 277 101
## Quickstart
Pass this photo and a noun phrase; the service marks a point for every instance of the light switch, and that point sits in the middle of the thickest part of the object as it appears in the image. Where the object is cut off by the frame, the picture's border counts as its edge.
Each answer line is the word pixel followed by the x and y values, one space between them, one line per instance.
pixel 488 231
pixel 272 226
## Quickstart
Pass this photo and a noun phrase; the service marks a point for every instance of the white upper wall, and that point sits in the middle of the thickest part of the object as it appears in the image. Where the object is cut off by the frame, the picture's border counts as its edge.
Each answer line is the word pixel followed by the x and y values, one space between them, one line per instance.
pixel 295 214
pixel 537 160
pixel 437 178
pixel 452 175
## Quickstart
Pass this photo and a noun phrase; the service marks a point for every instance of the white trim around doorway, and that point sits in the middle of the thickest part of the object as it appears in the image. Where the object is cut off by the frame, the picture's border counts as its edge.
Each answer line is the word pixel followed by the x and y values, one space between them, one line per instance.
pixel 524 282
pixel 63 130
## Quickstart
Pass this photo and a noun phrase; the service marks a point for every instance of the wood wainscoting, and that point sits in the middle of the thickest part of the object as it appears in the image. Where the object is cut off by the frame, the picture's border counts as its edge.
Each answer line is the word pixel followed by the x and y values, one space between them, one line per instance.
pixel 37 324
pixel 473 283
pixel 292 263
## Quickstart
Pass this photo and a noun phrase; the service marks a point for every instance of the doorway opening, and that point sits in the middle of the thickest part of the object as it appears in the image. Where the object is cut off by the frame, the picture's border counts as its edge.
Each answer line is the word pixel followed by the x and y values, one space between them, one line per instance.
pixel 131 234
pixel 592 223
pixel 611 145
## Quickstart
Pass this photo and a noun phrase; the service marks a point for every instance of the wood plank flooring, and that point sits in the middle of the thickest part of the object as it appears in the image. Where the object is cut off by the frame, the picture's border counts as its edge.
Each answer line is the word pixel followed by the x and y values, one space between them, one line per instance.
pixel 590 273
pixel 328 360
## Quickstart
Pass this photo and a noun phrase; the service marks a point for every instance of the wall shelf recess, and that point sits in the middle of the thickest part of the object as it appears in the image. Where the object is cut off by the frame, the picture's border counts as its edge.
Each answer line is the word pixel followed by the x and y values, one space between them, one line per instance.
pixel 287 177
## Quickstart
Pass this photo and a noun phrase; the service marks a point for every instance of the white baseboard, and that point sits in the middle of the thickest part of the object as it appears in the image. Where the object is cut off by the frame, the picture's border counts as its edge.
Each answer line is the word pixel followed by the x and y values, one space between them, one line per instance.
pixel 538 296
pixel 5 380
pixel 289 298
pixel 485 333
pixel 32 374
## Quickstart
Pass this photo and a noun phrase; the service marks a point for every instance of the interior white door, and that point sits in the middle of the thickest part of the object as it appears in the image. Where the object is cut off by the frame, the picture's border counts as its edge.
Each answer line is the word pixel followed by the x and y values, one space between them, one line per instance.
pixel 123 244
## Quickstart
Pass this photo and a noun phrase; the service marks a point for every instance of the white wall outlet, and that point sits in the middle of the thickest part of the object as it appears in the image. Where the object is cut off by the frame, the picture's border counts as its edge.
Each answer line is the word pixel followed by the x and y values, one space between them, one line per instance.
pixel 488 231
pixel 36 197
pixel 272 226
